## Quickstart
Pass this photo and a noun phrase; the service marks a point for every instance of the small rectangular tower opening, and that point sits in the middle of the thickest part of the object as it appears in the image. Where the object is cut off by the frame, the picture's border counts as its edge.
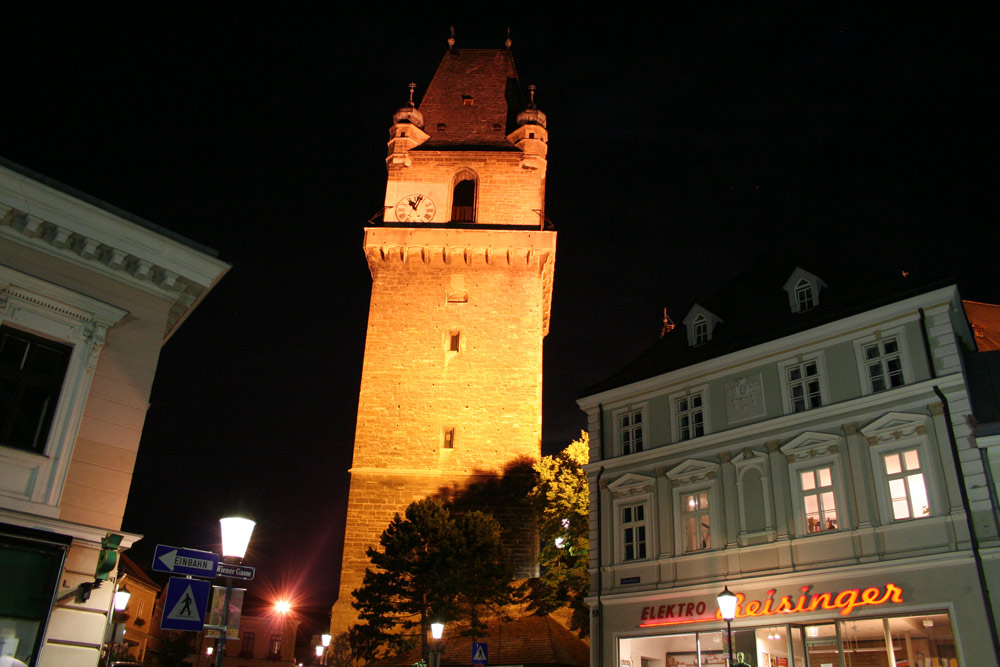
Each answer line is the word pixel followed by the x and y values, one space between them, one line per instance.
pixel 449 437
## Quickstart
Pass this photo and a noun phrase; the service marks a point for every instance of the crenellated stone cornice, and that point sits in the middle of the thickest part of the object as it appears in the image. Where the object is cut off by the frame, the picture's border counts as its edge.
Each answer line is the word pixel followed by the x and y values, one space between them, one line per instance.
pixel 529 250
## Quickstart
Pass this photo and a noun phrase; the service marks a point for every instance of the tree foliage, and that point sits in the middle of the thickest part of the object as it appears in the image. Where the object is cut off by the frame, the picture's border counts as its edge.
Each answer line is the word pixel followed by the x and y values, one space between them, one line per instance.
pixel 431 566
pixel 562 498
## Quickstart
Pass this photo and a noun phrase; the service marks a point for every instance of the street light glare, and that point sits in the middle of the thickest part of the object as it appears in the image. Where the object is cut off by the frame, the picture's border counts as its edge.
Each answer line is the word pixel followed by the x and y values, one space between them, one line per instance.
pixel 282 606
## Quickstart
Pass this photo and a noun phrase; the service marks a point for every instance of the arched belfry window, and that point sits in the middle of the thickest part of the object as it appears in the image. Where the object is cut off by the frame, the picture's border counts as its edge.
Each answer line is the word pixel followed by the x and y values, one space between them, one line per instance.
pixel 463 197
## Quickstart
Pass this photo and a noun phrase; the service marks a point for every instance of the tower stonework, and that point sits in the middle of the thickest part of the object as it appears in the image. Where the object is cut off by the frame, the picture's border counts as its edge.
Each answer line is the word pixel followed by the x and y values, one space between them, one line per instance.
pixel 462 268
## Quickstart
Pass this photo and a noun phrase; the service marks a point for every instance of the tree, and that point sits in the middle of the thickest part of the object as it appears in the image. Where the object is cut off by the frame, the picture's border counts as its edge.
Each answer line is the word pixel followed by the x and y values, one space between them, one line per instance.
pixel 431 566
pixel 562 498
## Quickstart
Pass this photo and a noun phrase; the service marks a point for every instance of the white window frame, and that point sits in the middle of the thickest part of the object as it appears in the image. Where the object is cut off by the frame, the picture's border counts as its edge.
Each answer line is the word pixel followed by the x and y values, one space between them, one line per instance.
pixel 631 490
pixel 786 385
pixel 34 482
pixel 640 409
pixel 693 477
pixel 805 296
pixel 904 359
pixel 813 451
pixel 676 413
pixel 901 432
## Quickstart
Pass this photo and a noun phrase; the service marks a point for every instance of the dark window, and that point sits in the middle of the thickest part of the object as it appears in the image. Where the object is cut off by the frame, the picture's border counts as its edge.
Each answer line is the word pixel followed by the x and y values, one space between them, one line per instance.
pixel 274 648
pixel 449 438
pixel 247 650
pixel 463 202
pixel 455 339
pixel 31 375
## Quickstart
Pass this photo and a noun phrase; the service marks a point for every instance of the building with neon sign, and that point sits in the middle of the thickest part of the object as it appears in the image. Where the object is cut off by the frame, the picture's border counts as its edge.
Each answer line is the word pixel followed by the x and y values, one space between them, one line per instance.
pixel 807 439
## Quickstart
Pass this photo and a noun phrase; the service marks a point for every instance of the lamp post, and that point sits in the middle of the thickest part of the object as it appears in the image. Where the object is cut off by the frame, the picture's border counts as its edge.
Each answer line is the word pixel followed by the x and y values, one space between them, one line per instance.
pixel 236 532
pixel 120 602
pixel 325 640
pixel 727 608
pixel 434 659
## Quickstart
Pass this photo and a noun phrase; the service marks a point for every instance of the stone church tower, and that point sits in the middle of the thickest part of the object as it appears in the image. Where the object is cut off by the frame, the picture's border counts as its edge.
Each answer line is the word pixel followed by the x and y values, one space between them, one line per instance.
pixel 462 268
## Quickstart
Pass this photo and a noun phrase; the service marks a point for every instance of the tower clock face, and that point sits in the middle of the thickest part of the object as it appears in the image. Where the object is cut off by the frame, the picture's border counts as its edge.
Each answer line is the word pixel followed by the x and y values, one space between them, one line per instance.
pixel 415 208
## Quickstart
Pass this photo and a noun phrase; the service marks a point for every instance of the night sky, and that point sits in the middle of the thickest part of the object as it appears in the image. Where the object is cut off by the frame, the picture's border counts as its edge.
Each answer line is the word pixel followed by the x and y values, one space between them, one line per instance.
pixel 681 149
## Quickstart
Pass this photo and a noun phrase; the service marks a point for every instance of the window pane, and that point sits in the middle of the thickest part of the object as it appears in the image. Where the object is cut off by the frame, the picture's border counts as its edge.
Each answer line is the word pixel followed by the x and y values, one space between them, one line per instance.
pixel 892 464
pixel 696 401
pixel 637 418
pixel 811 369
pixel 623 421
pixel 703 500
pixel 918 495
pixel 639 512
pixel 911 460
pixel 871 352
pixel 626 515
pixel 794 373
pixel 890 346
pixel 825 479
pixel 808 480
pixel 682 404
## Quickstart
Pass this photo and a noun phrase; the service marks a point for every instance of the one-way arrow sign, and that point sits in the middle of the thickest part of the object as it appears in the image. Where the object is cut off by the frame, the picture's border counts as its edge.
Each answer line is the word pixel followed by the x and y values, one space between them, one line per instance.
pixel 185 561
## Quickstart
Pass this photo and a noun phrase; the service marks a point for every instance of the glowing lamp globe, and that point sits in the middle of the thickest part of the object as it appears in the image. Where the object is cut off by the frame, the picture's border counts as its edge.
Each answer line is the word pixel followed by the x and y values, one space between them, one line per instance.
pixel 236 532
pixel 727 604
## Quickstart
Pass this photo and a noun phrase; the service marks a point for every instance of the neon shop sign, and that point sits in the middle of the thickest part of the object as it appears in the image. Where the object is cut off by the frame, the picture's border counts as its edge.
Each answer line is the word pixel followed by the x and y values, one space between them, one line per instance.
pixel 845 601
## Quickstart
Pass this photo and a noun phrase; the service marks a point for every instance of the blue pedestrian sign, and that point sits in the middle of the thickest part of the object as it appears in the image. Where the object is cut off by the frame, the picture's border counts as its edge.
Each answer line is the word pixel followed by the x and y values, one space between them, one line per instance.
pixel 480 653
pixel 176 560
pixel 185 605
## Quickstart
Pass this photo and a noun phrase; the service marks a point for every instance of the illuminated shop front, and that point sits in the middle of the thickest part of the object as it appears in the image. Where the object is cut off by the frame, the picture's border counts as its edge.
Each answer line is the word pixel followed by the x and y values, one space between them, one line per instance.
pixel 881 624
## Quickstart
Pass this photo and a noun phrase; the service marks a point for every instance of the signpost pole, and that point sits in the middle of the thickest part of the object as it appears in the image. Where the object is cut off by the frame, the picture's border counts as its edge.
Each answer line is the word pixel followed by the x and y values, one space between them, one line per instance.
pixel 220 646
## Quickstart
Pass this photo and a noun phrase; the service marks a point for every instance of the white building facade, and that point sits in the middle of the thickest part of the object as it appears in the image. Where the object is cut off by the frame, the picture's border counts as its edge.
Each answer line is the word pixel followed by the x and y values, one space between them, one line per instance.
pixel 810 447
pixel 88 295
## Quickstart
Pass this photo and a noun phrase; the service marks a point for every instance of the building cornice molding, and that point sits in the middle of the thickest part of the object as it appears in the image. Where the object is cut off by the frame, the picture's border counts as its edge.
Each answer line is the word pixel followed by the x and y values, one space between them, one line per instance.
pixel 78 531
pixel 57 224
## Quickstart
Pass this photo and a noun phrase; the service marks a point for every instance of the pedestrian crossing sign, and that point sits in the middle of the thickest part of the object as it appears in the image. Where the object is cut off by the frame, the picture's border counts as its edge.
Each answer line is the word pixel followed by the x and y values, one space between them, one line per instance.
pixel 185 604
pixel 480 653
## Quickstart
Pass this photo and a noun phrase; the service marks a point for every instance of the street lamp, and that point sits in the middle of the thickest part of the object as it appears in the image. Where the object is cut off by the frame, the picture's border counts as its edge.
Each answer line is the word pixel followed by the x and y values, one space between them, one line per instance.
pixel 325 640
pixel 236 532
pixel 727 608
pixel 434 659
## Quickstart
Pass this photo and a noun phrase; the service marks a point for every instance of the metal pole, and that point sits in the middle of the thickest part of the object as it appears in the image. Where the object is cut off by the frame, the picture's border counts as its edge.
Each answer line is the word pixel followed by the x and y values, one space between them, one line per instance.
pixel 729 631
pixel 220 645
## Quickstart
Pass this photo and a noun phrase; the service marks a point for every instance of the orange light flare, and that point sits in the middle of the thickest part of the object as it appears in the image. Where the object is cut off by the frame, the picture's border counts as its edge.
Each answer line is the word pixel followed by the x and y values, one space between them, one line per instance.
pixel 282 606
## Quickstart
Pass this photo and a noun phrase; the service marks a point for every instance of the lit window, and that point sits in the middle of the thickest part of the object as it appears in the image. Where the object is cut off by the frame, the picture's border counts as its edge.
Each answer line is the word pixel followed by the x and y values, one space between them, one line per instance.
pixel 630 432
pixel 818 499
pixel 31 376
pixel 700 330
pixel 907 491
pixel 884 364
pixel 697 521
pixel 690 417
pixel 804 295
pixel 274 647
pixel 803 386
pixel 633 527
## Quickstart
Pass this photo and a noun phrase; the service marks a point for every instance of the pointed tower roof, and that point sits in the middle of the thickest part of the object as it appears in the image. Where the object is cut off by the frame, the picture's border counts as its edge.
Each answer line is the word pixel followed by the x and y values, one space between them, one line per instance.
pixel 472 101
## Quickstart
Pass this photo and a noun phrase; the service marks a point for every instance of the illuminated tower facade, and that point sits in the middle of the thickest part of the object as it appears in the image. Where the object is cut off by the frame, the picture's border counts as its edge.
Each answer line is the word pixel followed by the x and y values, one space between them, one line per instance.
pixel 462 269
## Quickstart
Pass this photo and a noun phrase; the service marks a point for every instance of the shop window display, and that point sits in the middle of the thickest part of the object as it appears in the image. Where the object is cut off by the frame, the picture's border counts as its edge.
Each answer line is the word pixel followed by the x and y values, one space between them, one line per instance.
pixel 925 640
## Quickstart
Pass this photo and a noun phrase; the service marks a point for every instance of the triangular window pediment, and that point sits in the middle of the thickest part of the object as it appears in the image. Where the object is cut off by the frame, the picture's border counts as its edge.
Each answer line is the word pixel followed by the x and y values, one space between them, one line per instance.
pixel 631 483
pixel 903 422
pixel 692 470
pixel 811 441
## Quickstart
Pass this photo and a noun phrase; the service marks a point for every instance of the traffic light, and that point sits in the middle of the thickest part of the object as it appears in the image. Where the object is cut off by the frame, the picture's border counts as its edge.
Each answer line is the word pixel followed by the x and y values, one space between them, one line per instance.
pixel 109 556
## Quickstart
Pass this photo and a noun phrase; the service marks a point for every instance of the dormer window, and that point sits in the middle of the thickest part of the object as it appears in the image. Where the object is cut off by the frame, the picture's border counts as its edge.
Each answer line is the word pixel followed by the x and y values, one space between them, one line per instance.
pixel 803 290
pixel 700 324
pixel 700 332
pixel 804 295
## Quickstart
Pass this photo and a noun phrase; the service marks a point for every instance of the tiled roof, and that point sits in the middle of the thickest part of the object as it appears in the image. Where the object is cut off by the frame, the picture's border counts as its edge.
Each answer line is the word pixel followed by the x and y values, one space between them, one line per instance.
pixel 754 309
pixel 532 641
pixel 475 94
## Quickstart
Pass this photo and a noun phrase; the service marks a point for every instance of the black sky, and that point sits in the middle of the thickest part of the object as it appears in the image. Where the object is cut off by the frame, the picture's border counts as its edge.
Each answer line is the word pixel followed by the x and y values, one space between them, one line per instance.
pixel 681 149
